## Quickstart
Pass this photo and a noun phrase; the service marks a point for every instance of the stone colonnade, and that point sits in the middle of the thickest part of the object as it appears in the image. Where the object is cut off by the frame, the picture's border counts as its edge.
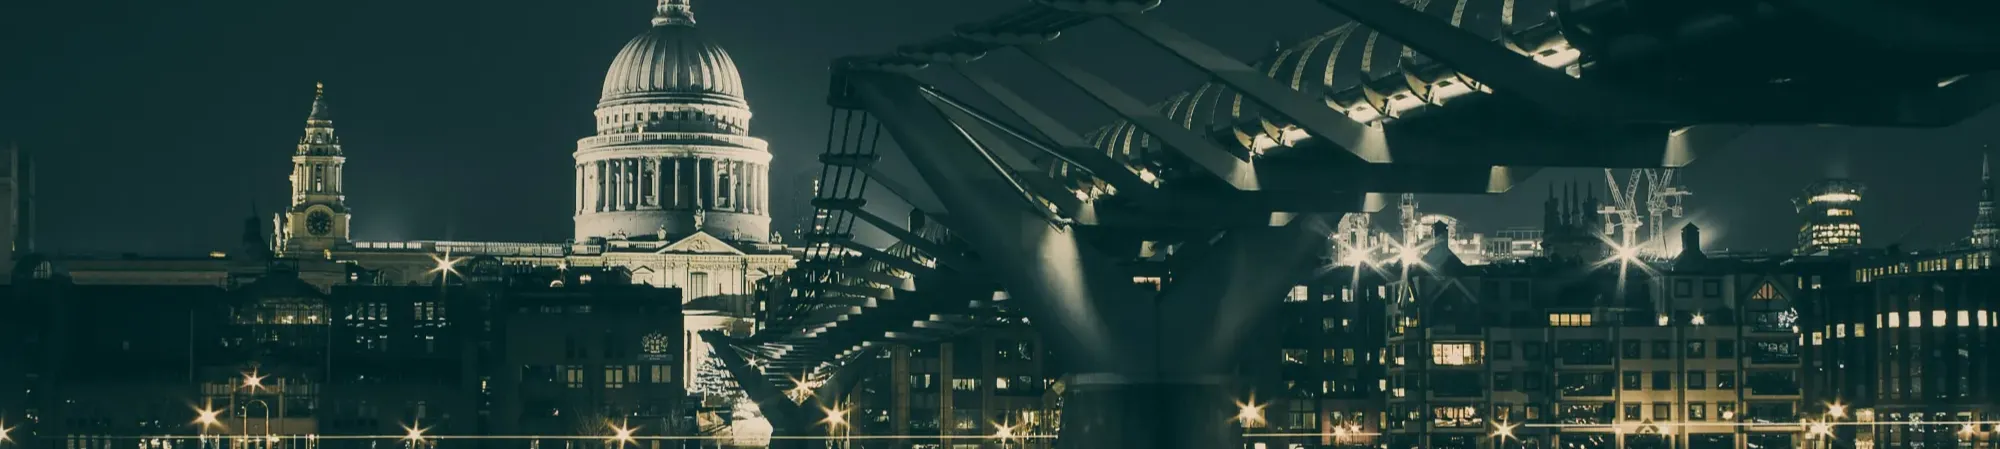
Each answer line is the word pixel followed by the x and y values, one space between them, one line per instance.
pixel 654 183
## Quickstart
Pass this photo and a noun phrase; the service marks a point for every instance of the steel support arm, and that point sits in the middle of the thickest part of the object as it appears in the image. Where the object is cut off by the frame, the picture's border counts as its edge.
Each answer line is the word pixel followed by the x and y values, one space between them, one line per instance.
pixel 1040 263
pixel 1132 390
pixel 943 253
pixel 875 277
pixel 787 418
pixel 917 198
pixel 1366 144
pixel 1505 70
pixel 1072 146
pixel 907 265
pixel 1231 167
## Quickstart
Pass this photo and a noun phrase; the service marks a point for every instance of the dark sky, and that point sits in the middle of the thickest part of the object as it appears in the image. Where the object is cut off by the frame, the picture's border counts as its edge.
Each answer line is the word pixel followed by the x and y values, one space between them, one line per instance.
pixel 159 123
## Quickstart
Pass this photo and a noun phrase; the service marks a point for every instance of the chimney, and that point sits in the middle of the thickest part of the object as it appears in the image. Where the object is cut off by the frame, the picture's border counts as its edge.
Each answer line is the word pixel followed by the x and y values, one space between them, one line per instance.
pixel 1691 256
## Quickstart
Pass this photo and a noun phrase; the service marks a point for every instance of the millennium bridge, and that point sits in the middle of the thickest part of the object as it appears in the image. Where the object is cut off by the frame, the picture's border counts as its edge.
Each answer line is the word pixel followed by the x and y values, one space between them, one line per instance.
pixel 1229 190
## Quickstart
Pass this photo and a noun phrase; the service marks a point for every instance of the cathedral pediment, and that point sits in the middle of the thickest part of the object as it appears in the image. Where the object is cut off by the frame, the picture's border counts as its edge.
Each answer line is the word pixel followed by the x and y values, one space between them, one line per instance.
pixel 701 243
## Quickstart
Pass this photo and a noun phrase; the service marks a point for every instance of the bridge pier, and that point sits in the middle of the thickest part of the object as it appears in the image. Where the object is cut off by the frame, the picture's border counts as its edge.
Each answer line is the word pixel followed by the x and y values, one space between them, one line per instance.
pixel 1154 367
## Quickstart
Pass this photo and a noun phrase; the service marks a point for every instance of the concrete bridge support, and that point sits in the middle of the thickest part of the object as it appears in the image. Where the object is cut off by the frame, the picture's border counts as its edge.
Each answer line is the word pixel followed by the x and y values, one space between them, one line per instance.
pixel 1151 368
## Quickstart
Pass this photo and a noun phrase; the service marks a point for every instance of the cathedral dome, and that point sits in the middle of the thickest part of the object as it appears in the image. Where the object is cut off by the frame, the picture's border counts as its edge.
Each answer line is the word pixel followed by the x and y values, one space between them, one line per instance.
pixel 673 62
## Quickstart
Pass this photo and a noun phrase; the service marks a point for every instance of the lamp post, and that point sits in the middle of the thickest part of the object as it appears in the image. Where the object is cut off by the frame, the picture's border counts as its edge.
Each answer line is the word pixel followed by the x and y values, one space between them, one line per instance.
pixel 1005 434
pixel 206 417
pixel 1501 432
pixel 1834 412
pixel 836 425
pixel 413 436
pixel 267 420
pixel 1822 430
pixel 622 435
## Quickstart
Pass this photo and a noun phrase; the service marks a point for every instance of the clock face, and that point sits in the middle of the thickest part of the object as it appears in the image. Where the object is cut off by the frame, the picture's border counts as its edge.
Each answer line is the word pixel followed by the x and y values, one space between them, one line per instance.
pixel 319 223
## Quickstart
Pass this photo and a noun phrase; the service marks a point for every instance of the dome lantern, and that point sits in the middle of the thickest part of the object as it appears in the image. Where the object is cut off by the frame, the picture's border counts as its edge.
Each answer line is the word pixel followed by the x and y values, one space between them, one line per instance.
pixel 674 12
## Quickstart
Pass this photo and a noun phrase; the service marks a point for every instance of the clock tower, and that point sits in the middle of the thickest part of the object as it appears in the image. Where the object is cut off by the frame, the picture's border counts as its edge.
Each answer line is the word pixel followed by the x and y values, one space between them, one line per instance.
pixel 317 219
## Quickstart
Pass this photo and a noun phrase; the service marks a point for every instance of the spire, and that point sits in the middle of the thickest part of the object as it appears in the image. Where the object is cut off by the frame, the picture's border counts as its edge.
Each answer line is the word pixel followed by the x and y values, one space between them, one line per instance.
pixel 320 115
pixel 1985 227
pixel 318 139
pixel 674 12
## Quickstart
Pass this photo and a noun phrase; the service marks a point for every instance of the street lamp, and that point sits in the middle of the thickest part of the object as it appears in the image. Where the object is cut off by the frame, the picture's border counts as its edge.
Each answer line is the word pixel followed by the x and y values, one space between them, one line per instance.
pixel 206 418
pixel 1249 413
pixel 1836 410
pixel 253 381
pixel 836 422
pixel 414 434
pixel 1501 432
pixel 622 435
pixel 4 430
pixel 1005 434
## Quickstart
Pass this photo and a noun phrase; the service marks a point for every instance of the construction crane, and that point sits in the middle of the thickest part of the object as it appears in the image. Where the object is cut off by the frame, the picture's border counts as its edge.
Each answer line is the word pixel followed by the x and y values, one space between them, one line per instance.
pixel 1663 198
pixel 1622 215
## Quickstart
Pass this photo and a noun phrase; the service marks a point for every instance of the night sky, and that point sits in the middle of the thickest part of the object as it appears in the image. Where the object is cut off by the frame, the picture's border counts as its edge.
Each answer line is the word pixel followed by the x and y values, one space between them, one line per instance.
pixel 160 124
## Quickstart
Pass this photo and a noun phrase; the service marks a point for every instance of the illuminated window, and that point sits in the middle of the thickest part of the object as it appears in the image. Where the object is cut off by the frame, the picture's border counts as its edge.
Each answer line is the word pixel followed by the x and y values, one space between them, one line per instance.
pixel 1860 330
pixel 1895 320
pixel 1839 212
pixel 1569 319
pixel 1840 331
pixel 573 376
pixel 1766 292
pixel 1455 354
pixel 1457 416
pixel 1940 319
pixel 1154 282
pixel 1915 319
pixel 1298 294
pixel 615 376
pixel 1983 319
pixel 1816 336
pixel 1964 318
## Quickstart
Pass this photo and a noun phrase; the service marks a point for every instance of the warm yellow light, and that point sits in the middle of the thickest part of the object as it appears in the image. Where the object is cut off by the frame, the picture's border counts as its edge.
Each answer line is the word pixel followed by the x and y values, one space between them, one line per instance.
pixel 1820 429
pixel 622 434
pixel 253 380
pixel 1003 432
pixel 1357 257
pixel 413 433
pixel 4 430
pixel 271 438
pixel 1968 429
pixel 1249 413
pixel 835 417
pixel 1409 255
pixel 1836 410
pixel 1698 320
pixel 1627 253
pixel 207 416
pixel 445 264
pixel 1503 430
